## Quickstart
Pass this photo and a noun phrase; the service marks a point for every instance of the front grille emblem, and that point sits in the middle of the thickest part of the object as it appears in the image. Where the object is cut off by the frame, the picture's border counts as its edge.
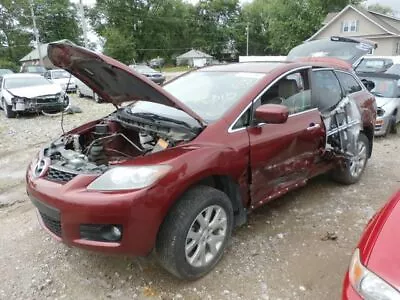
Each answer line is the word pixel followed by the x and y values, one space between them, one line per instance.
pixel 41 167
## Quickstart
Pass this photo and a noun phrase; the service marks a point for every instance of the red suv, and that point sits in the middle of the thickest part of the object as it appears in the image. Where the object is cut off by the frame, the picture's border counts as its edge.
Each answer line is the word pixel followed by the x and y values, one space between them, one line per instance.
pixel 178 167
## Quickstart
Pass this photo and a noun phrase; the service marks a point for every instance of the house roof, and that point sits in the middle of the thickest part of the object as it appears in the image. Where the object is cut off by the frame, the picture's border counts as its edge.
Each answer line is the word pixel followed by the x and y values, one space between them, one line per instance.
pixel 34 54
pixel 329 17
pixel 194 54
pixel 371 16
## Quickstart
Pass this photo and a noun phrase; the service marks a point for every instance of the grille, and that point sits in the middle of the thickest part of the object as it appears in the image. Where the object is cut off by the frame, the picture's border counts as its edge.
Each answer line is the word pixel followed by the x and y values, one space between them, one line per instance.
pixel 59 176
pixel 54 225
pixel 46 100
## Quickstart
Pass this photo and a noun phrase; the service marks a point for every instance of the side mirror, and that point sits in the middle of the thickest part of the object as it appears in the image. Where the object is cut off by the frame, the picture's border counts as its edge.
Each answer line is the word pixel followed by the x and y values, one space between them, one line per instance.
pixel 272 113
pixel 368 84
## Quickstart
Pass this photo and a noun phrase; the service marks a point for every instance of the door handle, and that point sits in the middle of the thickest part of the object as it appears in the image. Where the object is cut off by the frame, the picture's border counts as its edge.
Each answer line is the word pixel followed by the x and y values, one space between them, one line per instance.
pixel 313 126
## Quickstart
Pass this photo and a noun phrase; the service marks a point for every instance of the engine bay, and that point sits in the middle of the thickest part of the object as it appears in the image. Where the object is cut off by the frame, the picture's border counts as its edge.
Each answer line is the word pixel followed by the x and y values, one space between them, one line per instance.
pixel 108 142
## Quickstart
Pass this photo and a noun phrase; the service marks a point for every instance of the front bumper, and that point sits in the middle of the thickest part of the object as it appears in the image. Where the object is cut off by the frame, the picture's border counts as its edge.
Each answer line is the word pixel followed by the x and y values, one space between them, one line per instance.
pixel 158 80
pixel 64 208
pixel 32 105
pixel 381 125
pixel 348 292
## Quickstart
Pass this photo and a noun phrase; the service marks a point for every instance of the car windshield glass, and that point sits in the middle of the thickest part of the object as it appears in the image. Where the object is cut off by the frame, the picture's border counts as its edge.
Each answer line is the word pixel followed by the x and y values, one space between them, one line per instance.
pixel 384 87
pixel 373 65
pixel 36 69
pixel 5 71
pixel 143 68
pixel 14 83
pixel 395 69
pixel 211 94
pixel 60 74
pixel 347 51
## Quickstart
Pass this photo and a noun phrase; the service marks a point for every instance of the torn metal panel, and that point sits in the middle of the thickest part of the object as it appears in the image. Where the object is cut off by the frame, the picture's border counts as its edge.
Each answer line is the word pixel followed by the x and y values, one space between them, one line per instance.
pixel 343 125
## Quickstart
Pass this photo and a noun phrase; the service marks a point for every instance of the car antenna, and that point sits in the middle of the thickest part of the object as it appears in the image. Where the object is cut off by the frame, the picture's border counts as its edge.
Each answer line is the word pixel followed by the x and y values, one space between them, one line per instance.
pixel 62 111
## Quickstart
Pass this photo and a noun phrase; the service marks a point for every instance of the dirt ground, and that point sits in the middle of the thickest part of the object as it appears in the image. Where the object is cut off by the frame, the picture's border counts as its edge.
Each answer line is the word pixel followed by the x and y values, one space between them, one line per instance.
pixel 281 253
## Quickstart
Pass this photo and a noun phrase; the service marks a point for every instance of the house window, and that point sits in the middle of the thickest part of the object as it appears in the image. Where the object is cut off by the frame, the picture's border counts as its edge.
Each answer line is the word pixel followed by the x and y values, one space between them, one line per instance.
pixel 350 26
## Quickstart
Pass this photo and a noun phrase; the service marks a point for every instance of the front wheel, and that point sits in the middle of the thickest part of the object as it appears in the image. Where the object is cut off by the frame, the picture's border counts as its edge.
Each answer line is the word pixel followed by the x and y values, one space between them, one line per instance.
pixel 354 167
pixel 195 233
pixel 9 113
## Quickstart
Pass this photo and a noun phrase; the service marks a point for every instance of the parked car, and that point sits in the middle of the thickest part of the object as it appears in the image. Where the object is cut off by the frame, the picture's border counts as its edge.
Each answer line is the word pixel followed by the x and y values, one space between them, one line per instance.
pixel 34 69
pixel 82 90
pixel 153 75
pixel 5 71
pixel 374 271
pixel 30 93
pixel 378 64
pixel 387 93
pixel 156 62
pixel 177 168
pixel 63 78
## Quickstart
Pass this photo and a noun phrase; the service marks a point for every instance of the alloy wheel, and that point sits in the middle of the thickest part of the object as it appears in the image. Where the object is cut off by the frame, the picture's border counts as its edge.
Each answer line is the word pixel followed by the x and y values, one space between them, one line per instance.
pixel 359 160
pixel 206 236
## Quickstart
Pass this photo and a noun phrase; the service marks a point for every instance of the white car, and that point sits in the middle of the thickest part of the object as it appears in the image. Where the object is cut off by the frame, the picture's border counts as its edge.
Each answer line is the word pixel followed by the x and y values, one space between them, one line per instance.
pixel 30 93
pixel 62 78
pixel 82 90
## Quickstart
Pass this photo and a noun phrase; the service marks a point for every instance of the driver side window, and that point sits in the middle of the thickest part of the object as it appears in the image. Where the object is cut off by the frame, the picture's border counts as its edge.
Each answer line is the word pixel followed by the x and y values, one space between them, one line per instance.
pixel 293 91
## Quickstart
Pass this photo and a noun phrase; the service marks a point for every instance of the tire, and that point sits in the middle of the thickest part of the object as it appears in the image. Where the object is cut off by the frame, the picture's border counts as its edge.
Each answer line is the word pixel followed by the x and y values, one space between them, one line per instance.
pixel 8 112
pixel 393 125
pixel 78 92
pixel 182 228
pixel 353 169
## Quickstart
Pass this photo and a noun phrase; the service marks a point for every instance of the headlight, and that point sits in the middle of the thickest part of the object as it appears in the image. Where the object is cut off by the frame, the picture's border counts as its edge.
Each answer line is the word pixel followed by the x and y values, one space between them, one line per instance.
pixel 128 178
pixel 380 112
pixel 368 284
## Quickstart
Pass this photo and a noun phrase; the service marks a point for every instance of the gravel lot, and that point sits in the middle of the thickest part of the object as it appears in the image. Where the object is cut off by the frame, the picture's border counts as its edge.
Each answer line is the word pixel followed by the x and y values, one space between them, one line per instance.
pixel 282 253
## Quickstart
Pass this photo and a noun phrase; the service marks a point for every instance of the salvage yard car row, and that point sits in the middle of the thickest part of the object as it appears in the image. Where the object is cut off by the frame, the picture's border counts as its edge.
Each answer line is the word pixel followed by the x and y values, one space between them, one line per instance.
pixel 188 162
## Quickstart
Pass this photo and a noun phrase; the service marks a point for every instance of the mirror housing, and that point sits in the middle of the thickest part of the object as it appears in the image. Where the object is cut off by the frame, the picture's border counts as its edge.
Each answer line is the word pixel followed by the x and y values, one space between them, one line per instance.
pixel 368 84
pixel 272 113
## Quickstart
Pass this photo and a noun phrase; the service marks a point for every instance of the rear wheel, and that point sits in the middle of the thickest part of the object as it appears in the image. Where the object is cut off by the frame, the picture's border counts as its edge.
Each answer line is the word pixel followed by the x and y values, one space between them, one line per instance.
pixel 353 169
pixel 195 233
pixel 78 92
pixel 8 112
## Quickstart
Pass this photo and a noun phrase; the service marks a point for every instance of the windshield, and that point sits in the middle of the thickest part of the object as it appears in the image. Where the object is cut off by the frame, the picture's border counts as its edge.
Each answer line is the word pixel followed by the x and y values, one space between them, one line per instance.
pixel 211 94
pixel 60 74
pixel 14 83
pixel 143 69
pixel 384 87
pixel 373 65
pixel 5 71
pixel 36 69
pixel 348 51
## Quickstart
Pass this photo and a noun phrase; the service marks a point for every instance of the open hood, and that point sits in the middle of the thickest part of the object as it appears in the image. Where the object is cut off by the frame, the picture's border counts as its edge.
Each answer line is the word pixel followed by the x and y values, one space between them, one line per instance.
pixel 347 49
pixel 113 81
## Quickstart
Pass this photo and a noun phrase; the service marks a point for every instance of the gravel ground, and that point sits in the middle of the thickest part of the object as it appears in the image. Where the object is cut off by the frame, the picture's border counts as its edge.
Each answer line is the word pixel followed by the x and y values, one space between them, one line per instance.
pixel 282 253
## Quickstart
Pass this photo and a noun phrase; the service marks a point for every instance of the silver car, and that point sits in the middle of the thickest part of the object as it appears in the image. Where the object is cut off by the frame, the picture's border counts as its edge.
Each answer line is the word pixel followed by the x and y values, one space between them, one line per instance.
pixel 82 90
pixel 387 94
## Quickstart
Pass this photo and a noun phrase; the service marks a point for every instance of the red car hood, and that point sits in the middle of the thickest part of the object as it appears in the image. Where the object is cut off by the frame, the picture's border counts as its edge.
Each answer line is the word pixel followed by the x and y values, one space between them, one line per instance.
pixel 384 256
pixel 113 81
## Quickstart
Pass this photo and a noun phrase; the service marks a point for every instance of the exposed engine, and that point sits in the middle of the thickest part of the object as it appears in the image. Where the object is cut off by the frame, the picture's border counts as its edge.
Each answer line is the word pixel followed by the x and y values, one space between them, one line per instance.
pixel 108 142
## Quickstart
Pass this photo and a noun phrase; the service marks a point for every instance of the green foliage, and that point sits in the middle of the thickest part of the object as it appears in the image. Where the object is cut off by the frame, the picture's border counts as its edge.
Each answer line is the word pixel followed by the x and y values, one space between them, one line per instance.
pixel 57 20
pixel 6 64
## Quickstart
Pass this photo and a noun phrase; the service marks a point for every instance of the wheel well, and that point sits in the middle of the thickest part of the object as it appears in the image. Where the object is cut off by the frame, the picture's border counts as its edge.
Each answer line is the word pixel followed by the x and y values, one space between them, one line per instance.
pixel 227 185
pixel 395 112
pixel 369 133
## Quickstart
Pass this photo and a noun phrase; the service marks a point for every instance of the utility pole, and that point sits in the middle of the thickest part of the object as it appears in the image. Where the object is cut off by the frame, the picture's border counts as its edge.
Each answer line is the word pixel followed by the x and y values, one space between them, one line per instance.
pixel 36 32
pixel 84 27
pixel 247 33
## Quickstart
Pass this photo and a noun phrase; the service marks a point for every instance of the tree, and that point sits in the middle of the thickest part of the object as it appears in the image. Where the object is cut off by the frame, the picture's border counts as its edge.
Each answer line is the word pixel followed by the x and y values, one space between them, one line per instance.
pixel 57 20
pixel 383 9
pixel 14 38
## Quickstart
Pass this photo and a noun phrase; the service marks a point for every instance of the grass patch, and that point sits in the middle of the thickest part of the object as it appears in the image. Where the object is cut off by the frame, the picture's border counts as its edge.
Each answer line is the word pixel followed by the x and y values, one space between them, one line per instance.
pixel 176 69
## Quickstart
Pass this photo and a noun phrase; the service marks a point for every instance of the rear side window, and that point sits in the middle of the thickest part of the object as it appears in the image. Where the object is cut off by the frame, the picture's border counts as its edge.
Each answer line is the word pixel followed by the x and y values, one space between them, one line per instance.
pixel 326 90
pixel 348 82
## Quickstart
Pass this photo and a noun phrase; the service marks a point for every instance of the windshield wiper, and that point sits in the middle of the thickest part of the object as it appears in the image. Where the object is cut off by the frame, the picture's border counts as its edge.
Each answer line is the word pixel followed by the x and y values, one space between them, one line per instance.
pixel 377 94
pixel 155 118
